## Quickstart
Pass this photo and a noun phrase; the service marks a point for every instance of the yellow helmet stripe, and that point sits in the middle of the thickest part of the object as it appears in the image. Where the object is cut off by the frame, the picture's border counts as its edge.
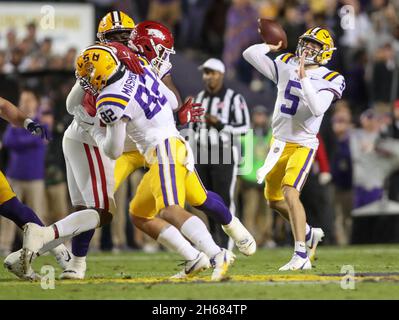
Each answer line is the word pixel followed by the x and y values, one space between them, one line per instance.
pixel 315 30
pixel 116 18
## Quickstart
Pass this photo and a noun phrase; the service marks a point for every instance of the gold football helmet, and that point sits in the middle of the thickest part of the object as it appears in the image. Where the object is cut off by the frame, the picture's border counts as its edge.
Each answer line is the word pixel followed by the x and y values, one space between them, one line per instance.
pixel 115 26
pixel 320 36
pixel 95 66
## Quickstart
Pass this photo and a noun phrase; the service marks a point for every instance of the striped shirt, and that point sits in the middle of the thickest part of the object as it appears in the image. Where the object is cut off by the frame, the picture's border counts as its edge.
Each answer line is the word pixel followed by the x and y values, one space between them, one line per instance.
pixel 231 110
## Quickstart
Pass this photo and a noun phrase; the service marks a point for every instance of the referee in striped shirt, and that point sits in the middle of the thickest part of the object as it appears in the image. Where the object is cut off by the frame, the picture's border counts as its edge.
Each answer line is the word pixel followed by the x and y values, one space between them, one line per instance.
pixel 215 140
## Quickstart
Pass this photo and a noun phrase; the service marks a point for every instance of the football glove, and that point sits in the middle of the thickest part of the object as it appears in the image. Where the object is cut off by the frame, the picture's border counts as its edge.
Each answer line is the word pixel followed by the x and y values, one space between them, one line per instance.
pixel 190 112
pixel 36 129
pixel 127 57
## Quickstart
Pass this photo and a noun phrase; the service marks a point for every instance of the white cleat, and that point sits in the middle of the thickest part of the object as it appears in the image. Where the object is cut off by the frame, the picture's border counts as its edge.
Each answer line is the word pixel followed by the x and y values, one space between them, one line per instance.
pixel 193 267
pixel 76 270
pixel 14 264
pixel 63 257
pixel 221 263
pixel 297 263
pixel 35 237
pixel 316 236
pixel 244 241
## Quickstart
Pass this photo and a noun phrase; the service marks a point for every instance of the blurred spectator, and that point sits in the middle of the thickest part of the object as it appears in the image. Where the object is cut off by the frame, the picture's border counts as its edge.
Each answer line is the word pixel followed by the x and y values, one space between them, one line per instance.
pixel 383 75
pixel 30 40
pixel 293 25
pixel 25 167
pixel 372 159
pixel 13 65
pixel 316 195
pixel 356 34
pixel 192 24
pixel 56 188
pixel 2 60
pixel 214 28
pixel 257 216
pixel 69 59
pixel 241 32
pixel 165 11
pixel 341 169
pixel 357 92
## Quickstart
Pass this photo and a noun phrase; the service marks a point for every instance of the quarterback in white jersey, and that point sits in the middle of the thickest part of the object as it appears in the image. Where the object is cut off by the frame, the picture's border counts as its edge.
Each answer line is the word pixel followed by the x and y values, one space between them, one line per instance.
pixel 306 90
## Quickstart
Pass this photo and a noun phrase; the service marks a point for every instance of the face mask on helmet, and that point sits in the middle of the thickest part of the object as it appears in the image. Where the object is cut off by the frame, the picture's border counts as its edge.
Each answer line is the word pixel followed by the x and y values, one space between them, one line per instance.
pixel 161 63
pixel 155 42
pixel 318 44
pixel 313 50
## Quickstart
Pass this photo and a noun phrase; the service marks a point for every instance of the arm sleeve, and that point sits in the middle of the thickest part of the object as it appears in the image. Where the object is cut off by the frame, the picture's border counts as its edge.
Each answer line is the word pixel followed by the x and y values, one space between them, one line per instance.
pixel 256 55
pixel 74 98
pixel 318 102
pixel 240 120
pixel 112 142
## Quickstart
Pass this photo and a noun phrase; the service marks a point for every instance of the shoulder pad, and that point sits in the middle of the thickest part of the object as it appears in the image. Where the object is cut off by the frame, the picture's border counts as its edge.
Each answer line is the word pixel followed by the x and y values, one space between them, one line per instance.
pixel 331 75
pixel 286 57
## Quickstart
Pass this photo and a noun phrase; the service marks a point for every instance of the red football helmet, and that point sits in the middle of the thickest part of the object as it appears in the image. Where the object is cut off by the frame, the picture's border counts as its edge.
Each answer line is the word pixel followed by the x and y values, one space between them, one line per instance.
pixel 155 42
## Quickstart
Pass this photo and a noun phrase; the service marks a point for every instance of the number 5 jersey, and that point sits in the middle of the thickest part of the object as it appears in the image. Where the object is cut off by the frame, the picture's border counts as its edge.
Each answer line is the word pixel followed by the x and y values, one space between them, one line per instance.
pixel 300 104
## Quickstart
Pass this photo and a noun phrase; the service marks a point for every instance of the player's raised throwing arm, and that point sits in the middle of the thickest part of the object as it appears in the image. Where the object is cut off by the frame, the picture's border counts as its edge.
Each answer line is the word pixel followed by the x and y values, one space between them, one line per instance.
pixel 256 55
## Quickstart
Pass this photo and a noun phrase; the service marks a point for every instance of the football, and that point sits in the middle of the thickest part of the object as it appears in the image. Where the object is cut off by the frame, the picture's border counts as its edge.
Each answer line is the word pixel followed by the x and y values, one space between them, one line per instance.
pixel 272 32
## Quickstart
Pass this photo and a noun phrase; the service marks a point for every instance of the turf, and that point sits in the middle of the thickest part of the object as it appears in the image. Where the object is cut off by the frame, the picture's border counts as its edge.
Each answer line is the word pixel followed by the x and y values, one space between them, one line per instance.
pixel 138 275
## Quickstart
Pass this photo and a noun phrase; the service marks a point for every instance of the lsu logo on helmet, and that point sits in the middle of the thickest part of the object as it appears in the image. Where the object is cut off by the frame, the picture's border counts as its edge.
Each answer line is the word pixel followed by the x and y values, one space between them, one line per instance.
pixel 95 66
pixel 322 37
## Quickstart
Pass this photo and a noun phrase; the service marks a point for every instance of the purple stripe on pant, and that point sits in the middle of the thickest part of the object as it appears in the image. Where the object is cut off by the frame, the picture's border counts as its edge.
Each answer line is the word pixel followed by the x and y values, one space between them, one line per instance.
pixel 303 168
pixel 160 164
pixel 172 171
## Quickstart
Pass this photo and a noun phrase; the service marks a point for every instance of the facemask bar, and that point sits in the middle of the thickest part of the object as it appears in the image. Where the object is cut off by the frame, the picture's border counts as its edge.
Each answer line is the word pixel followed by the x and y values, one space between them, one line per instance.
pixel 85 84
pixel 316 55
pixel 161 63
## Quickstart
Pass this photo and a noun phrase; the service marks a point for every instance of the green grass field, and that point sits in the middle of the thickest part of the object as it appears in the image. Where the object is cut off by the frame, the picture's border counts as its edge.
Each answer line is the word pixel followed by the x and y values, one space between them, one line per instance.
pixel 140 275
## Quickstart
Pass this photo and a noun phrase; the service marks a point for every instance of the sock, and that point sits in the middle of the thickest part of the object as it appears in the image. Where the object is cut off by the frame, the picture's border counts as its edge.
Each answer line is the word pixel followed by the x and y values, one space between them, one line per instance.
pixel 172 239
pixel 308 231
pixel 80 243
pixel 20 214
pixel 215 208
pixel 77 222
pixel 79 259
pixel 300 249
pixel 235 229
pixel 195 230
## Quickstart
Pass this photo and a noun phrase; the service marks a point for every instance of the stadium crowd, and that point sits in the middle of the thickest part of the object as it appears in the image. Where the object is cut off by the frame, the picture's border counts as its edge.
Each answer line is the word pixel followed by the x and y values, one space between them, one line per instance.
pixel 357 162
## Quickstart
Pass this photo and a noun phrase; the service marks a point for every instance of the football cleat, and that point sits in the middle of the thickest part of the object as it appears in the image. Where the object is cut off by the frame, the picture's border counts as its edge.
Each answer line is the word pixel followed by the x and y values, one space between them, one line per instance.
pixel 316 236
pixel 297 263
pixel 14 264
pixel 63 257
pixel 35 237
pixel 193 267
pixel 244 241
pixel 76 270
pixel 221 263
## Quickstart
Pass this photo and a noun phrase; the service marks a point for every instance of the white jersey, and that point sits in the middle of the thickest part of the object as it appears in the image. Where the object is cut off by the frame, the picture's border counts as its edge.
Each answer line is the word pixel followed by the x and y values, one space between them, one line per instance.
pixel 293 121
pixel 146 102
